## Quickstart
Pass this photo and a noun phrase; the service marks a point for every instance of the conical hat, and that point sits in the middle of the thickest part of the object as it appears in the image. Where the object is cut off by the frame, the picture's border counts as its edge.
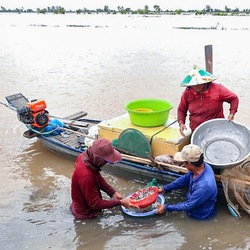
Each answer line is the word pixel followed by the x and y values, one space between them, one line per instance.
pixel 197 76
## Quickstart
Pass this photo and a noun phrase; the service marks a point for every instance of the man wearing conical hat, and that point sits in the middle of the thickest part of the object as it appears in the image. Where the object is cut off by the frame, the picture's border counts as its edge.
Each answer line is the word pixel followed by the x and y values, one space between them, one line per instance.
pixel 203 99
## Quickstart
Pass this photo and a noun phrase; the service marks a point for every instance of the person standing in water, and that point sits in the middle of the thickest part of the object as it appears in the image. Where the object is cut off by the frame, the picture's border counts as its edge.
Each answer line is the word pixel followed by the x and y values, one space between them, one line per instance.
pixel 87 182
pixel 201 184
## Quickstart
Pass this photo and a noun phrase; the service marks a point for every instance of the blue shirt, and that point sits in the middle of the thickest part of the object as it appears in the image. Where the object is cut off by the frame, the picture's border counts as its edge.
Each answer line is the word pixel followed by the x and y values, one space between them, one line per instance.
pixel 201 197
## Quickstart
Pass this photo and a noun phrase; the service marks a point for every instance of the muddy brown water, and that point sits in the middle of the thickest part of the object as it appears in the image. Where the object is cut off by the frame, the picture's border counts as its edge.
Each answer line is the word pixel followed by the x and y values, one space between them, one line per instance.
pixel 99 68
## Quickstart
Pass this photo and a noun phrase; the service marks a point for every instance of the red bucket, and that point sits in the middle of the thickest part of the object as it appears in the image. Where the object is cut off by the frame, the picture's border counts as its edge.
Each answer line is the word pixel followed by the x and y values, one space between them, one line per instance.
pixel 144 197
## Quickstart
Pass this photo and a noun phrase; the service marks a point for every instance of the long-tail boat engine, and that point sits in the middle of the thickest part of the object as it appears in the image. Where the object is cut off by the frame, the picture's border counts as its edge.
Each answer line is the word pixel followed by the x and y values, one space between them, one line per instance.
pixel 34 113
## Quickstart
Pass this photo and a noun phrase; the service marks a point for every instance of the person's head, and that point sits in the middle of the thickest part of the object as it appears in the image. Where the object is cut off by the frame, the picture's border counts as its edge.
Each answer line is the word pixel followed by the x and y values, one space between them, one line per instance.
pixel 103 149
pixel 197 77
pixel 190 155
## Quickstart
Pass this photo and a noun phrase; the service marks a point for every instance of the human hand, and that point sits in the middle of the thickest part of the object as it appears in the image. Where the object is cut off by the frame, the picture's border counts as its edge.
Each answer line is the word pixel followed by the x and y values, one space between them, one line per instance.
pixel 160 190
pixel 118 196
pixel 126 203
pixel 182 128
pixel 160 209
pixel 230 117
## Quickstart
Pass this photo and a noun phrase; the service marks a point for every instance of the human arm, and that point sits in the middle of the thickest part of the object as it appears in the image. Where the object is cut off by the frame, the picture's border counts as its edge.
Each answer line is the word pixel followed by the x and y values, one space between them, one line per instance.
pixel 182 206
pixel 231 98
pixel 199 204
pixel 91 191
pixel 126 203
pixel 230 117
pixel 115 195
pixel 194 201
pixel 181 182
pixel 108 189
pixel 118 196
pixel 182 128
pixel 160 209
pixel 182 112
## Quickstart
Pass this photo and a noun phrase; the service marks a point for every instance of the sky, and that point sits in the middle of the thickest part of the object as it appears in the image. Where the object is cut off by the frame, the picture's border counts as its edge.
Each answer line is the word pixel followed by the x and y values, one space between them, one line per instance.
pixel 133 4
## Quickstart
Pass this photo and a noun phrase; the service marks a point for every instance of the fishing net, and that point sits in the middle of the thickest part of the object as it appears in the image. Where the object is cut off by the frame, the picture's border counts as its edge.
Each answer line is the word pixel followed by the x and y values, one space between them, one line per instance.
pixel 236 186
pixel 154 183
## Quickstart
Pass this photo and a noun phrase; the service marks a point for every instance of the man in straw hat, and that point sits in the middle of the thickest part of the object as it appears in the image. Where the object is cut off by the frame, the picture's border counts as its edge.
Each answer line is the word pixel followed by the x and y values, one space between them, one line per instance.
pixel 200 180
pixel 203 99
pixel 87 182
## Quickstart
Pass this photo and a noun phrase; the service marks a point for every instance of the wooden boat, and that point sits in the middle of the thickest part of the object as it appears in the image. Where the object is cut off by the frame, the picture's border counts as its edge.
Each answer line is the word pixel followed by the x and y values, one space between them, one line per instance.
pixel 70 135
pixel 140 146
pixel 69 139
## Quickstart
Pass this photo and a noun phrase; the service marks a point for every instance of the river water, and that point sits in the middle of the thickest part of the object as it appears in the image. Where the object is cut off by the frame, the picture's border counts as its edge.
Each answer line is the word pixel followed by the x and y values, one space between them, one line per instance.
pixel 97 63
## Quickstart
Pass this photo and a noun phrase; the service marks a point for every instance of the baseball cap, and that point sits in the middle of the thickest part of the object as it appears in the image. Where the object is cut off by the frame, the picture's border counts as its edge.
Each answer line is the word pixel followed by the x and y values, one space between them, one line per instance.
pixel 190 153
pixel 103 148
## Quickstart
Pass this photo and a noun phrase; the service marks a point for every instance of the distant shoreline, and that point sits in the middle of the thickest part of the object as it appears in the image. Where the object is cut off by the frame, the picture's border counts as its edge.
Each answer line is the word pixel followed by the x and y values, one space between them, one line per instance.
pixel 125 11
pixel 243 14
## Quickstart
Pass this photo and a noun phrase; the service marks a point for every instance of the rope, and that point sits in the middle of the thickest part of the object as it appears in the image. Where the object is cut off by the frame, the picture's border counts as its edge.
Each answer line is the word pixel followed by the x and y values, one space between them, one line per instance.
pixel 8 106
pixel 43 133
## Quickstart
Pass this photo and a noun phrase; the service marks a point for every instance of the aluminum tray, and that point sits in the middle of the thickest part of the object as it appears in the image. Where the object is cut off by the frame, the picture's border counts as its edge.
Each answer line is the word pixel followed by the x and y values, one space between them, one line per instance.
pixel 225 144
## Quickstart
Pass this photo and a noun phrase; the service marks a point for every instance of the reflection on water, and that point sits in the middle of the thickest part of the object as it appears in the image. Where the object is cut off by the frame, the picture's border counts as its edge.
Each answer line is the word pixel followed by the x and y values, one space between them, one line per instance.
pixel 41 205
pixel 123 232
pixel 99 68
pixel 42 210
pixel 152 234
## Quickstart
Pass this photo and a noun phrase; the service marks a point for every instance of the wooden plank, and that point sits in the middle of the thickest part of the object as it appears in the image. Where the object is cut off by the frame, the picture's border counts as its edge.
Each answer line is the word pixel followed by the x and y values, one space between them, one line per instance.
pixel 209 58
pixel 77 124
pixel 180 169
pixel 76 115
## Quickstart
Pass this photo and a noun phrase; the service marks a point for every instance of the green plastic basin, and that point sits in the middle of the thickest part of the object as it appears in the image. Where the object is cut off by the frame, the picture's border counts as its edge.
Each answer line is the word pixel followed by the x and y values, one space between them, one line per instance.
pixel 148 112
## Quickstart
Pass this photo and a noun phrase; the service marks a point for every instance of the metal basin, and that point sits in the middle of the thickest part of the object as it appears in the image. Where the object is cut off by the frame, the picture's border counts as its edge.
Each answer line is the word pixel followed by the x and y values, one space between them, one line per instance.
pixel 225 144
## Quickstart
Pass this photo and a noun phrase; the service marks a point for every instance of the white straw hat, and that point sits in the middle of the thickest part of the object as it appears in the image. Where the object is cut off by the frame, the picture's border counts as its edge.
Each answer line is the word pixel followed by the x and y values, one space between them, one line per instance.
pixel 197 76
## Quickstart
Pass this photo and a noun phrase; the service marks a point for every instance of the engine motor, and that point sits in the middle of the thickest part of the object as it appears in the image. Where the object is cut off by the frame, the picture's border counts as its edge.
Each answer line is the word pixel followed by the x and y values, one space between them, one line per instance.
pixel 34 114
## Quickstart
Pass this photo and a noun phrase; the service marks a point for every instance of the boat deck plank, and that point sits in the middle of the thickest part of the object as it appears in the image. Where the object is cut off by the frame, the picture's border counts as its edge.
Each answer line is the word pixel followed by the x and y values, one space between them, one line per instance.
pixel 71 140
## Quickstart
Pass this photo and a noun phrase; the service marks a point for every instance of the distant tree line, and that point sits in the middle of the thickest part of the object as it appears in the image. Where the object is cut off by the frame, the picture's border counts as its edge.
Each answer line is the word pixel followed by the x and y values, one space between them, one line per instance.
pixel 121 10
pixel 53 9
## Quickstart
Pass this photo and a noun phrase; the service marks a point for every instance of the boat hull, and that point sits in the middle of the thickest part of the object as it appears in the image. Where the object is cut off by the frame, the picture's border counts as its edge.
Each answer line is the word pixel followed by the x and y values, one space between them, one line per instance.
pixel 125 167
pixel 59 148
